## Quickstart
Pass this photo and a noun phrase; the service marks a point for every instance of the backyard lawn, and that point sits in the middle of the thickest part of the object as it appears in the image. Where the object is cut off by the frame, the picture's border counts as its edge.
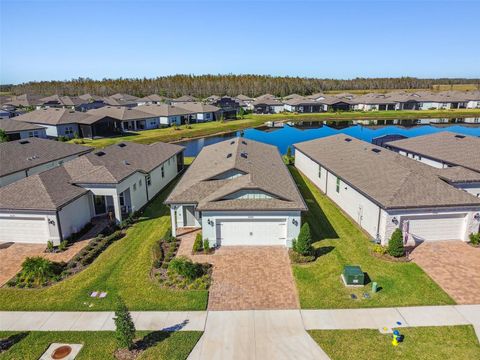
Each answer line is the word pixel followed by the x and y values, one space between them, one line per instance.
pixel 251 120
pixel 341 243
pixel 423 343
pixel 102 344
pixel 123 269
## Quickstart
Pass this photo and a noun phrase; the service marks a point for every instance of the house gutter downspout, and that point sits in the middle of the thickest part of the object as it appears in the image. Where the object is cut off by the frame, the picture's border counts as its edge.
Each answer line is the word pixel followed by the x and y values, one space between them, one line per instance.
pixel 378 223
pixel 59 226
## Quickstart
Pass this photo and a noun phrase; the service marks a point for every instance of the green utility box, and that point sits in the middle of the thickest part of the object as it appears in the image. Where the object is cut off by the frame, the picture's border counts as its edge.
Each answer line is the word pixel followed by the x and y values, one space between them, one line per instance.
pixel 353 275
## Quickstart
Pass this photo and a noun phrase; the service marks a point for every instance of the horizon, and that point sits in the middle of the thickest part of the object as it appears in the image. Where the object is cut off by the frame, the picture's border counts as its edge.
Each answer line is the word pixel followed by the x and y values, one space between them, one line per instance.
pixel 326 40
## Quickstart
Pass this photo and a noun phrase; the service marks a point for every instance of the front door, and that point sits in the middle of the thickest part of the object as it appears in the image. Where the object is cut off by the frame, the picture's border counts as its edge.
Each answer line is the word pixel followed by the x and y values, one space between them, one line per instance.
pixel 99 203
pixel 188 216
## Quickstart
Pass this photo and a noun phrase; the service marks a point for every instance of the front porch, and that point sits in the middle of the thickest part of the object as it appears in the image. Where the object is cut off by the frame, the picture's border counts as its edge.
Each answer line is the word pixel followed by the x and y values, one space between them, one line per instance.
pixel 114 207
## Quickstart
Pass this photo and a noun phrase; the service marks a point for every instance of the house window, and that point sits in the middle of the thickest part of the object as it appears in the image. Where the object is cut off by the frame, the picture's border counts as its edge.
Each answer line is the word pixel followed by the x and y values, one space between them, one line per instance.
pixel 163 172
pixel 148 179
pixel 33 133
pixel 135 187
pixel 338 184
pixel 121 198
pixel 319 172
pixel 207 116
pixel 140 183
pixel 69 130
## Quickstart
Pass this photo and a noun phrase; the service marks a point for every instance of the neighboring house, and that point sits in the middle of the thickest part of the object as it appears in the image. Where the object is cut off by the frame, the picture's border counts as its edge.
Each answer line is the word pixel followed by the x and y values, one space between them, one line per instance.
pixel 27 157
pixel 153 99
pixel 57 121
pixel 374 102
pixel 456 156
pixel 66 102
pixel 167 115
pixel 240 193
pixel 266 105
pixel 473 100
pixel 302 105
pixel 183 99
pixel 199 112
pixel 229 106
pixel 382 190
pixel 114 181
pixel 292 96
pixel 24 100
pixel 245 101
pixel 130 119
pixel 16 130
pixel 122 100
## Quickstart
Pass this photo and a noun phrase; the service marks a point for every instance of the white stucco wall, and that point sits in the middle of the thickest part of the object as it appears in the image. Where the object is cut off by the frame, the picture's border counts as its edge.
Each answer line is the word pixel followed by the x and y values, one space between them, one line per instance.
pixel 75 215
pixel 41 133
pixel 157 181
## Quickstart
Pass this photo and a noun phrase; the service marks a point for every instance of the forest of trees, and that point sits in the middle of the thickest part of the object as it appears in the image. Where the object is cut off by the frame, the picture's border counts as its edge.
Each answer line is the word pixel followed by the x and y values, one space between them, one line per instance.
pixel 206 85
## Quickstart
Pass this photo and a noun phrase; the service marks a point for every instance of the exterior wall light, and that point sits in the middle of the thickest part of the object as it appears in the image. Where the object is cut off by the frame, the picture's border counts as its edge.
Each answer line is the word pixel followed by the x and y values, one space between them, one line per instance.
pixel 477 216
pixel 210 222
pixel 51 222
pixel 395 220
pixel 294 222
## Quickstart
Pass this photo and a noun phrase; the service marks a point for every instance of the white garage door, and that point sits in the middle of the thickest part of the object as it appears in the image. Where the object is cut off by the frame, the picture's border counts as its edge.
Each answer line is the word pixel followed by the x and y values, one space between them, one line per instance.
pixel 23 230
pixel 436 227
pixel 251 232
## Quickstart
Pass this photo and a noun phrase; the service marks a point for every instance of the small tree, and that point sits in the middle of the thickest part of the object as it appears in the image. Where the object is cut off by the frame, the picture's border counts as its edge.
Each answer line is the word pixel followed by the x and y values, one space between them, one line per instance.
pixel 3 136
pixel 206 246
pixel 395 245
pixel 198 244
pixel 303 245
pixel 289 155
pixel 241 112
pixel 124 326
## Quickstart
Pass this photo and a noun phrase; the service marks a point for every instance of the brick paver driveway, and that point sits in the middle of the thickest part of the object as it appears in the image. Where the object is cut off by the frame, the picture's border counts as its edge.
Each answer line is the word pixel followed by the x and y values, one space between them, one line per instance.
pixel 454 265
pixel 12 256
pixel 247 277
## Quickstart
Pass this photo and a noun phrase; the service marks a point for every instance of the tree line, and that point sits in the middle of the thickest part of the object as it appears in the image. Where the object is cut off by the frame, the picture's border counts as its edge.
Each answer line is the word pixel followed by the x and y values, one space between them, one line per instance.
pixel 205 85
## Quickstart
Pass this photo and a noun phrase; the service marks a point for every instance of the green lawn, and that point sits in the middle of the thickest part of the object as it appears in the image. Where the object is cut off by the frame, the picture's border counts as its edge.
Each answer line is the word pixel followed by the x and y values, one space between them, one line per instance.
pixel 342 243
pixel 251 120
pixel 102 344
pixel 123 269
pixel 424 343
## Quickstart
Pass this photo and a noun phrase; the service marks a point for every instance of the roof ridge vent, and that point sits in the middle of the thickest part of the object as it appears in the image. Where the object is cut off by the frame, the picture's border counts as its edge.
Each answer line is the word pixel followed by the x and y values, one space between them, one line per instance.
pixel 244 154
pixel 375 150
pixel 125 162
pixel 347 139
pixel 460 136
pixel 229 155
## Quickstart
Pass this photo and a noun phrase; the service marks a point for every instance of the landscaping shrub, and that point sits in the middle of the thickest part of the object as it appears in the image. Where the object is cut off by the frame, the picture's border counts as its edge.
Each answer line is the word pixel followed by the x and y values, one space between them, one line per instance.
pixel 63 245
pixel 186 268
pixel 395 245
pixel 206 246
pixel 50 246
pixel 475 239
pixel 303 245
pixel 37 271
pixel 124 326
pixel 379 249
pixel 91 252
pixel 297 258
pixel 198 244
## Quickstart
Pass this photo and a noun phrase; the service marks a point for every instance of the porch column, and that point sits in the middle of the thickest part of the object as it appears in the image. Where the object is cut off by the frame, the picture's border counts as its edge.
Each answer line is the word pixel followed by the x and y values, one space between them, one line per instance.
pixel 117 208
pixel 173 214
pixel 134 124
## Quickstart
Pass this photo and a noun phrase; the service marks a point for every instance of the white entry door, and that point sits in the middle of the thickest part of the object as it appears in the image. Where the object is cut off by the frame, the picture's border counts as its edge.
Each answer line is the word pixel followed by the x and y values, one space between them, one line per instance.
pixel 251 232
pixel 23 230
pixel 436 227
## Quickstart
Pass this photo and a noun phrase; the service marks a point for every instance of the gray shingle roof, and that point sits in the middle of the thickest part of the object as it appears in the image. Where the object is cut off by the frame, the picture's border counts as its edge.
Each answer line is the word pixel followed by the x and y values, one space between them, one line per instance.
pixel 119 113
pixel 196 107
pixel 53 116
pixel 451 148
pixel 163 110
pixel 387 178
pixel 24 154
pixel 263 170
pixel 13 126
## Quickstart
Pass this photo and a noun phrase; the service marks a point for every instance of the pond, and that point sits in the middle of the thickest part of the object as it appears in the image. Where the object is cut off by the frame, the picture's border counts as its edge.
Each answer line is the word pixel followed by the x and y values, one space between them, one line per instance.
pixel 288 135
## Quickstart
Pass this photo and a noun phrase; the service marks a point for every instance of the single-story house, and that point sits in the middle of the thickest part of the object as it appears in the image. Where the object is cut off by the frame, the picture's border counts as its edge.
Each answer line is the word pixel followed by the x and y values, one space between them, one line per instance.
pixel 245 101
pixel 167 114
pixel 153 99
pixel 302 105
pixel 68 102
pixel 229 106
pixel 57 121
pixel 130 119
pixel 382 190
pixel 25 100
pixel 199 112
pixel 114 182
pixel 27 157
pixel 183 99
pixel 456 156
pixel 122 100
pixel 16 130
pixel 266 105
pixel 239 192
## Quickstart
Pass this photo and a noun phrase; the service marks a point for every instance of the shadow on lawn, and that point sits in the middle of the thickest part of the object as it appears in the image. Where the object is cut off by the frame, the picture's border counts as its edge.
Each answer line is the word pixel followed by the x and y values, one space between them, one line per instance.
pixel 155 337
pixel 8 342
pixel 320 226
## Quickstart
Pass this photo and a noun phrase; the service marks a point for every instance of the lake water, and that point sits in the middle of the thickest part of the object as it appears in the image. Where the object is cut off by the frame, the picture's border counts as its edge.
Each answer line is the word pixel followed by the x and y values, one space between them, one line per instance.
pixel 288 135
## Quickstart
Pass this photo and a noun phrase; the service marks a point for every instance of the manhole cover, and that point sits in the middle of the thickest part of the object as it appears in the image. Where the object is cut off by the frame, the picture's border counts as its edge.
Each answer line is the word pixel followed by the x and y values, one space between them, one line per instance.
pixel 61 352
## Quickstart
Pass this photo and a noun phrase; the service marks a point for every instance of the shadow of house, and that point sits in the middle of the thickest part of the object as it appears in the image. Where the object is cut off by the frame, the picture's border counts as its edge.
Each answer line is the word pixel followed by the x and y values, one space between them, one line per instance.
pixel 8 342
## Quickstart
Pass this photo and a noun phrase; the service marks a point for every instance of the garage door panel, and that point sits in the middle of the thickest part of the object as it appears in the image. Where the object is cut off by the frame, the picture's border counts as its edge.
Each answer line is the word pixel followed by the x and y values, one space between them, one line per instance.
pixel 251 232
pixel 435 227
pixel 23 230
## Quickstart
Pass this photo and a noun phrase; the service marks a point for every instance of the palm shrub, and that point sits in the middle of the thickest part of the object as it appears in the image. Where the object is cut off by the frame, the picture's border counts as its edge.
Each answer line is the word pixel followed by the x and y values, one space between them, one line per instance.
pixel 395 245
pixel 37 270
pixel 303 245
pixel 198 244
pixel 124 326
pixel 475 239
pixel 186 268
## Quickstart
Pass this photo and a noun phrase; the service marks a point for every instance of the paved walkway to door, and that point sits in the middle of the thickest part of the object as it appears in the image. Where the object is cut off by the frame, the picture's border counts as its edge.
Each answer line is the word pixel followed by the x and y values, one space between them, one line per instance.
pixel 247 277
pixel 454 265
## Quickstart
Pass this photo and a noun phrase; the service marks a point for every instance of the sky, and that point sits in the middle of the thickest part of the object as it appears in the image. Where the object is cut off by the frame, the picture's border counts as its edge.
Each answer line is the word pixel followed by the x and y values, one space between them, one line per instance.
pixel 61 40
